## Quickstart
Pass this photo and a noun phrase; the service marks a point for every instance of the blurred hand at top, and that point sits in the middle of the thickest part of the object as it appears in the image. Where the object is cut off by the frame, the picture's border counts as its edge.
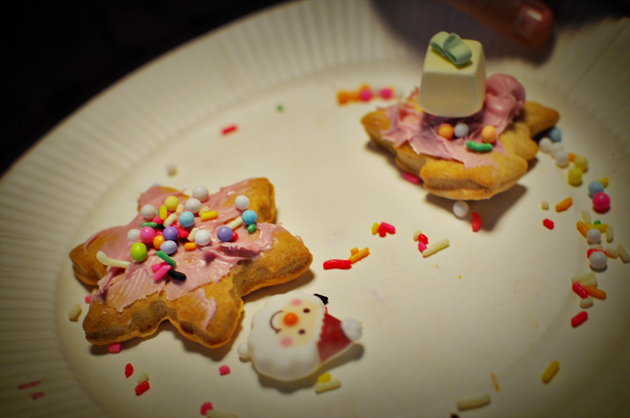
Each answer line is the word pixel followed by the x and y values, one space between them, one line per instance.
pixel 529 22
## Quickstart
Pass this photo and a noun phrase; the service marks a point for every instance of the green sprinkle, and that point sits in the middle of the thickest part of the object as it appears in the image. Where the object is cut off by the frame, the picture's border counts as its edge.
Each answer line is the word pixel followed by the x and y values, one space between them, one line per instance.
pixel 176 275
pixel 478 147
pixel 251 228
pixel 151 224
pixel 280 108
pixel 166 258
pixel 597 222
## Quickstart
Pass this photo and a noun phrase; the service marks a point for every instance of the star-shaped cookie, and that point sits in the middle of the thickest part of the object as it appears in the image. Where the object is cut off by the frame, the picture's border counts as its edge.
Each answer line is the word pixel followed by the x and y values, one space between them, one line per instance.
pixel 486 175
pixel 201 291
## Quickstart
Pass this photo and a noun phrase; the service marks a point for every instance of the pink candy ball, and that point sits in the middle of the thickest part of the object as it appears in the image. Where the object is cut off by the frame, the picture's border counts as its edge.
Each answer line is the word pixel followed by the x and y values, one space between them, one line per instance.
pixel 386 93
pixel 365 95
pixel 147 234
pixel 601 202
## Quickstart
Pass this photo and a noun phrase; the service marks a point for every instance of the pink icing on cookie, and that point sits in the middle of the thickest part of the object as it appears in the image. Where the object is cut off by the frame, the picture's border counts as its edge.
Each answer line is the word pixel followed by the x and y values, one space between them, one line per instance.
pixel 504 99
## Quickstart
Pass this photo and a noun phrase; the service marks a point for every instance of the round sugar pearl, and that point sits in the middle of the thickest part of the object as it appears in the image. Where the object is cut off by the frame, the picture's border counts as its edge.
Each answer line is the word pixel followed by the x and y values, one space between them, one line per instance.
pixel 203 237
pixel 148 212
pixel 461 129
pixel 201 193
pixel 601 202
pixel 249 217
pixel 186 219
pixel 446 131
pixel 460 208
pixel 581 162
pixel 171 203
pixel 575 176
pixel 251 228
pixel 598 260
pixel 224 233
pixel 555 148
pixel 193 205
pixel 147 234
pixel 562 158
pixel 242 202
pixel 139 252
pixel 170 233
pixel 488 134
pixel 169 247
pixel 133 235
pixel 595 187
pixel 555 134
pixel 594 236
pixel 545 145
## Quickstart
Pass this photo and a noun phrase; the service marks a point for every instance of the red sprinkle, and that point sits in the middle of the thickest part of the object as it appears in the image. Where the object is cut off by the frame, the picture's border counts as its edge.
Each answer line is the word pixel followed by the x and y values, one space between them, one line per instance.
pixel 205 407
pixel 381 230
pixel 577 288
pixel 591 251
pixel 225 369
pixel 476 222
pixel 114 348
pixel 337 264
pixel 423 238
pixel 88 298
pixel 548 223
pixel 37 395
pixel 30 384
pixel 158 220
pixel 229 129
pixel 128 370
pixel 142 387
pixel 183 234
pixel 579 319
pixel 422 246
pixel 410 177
pixel 390 229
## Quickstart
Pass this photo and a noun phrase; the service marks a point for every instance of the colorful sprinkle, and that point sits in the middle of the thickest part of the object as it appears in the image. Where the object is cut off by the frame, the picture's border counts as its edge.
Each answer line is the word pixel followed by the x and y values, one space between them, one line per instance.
pixel 359 255
pixel 548 223
pixel 579 290
pixel 326 386
pixel 142 387
pixel 579 319
pixel 251 228
pixel 474 146
pixel 375 227
pixel 110 262
pixel 564 205
pixel 337 264
pixel 190 246
pixel 410 177
pixel 205 407
pixel 438 246
pixel 37 395
pixel 161 271
pixel 29 384
pixel 114 348
pixel 476 221
pixel 473 402
pixel 176 275
pixel 128 370
pixel 166 258
pixel 75 312
pixel 223 370
pixel 550 371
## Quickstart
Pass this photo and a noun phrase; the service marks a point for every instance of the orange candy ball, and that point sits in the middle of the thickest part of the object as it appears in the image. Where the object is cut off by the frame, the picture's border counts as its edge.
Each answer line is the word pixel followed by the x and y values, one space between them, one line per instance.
pixel 290 319
pixel 489 134
pixel 446 131
pixel 158 241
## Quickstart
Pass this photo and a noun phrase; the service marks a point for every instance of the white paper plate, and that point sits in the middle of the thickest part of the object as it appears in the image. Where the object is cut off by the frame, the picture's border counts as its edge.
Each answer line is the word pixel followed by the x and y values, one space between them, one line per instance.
pixel 435 330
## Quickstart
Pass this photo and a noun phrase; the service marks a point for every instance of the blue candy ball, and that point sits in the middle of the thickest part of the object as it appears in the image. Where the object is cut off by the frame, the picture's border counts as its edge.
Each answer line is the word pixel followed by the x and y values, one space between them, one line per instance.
pixel 169 247
pixel 555 134
pixel 249 217
pixel 224 233
pixel 595 187
pixel 186 219
pixel 170 233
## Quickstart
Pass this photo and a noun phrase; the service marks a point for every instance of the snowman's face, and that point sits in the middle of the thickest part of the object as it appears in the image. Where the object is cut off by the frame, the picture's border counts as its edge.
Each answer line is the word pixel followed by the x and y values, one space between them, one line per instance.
pixel 295 323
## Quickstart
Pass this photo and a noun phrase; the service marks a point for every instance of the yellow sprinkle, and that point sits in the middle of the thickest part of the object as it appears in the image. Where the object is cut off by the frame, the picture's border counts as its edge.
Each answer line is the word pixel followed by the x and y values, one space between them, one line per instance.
pixel 330 385
pixel 143 378
pixel 551 371
pixel 586 218
pixel 375 228
pixel 440 245
pixel 610 234
pixel 473 402
pixel 604 181
pixel 207 209
pixel 581 226
pixel 170 219
pixel 359 255
pixel 74 313
pixel 611 252
pixel 206 216
pixel 189 246
pixel 110 262
pixel 544 205
pixel 416 235
pixel 601 227
pixel 163 212
pixel 354 250
pixel 495 382
pixel 623 254
pixel 564 205
pixel 324 378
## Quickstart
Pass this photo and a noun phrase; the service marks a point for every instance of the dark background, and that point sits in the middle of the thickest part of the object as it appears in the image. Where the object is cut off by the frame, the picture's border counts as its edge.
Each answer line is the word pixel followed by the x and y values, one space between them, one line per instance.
pixel 59 54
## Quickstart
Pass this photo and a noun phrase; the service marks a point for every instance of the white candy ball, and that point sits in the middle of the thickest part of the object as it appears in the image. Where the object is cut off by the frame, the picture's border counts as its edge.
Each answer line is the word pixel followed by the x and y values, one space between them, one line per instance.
pixel 201 193
pixel 593 235
pixel 562 158
pixel 148 212
pixel 193 205
pixel 242 202
pixel 133 235
pixel 545 145
pixel 598 260
pixel 202 237
pixel 461 129
pixel 555 148
pixel 460 208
